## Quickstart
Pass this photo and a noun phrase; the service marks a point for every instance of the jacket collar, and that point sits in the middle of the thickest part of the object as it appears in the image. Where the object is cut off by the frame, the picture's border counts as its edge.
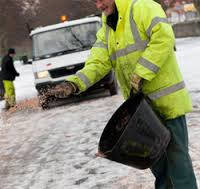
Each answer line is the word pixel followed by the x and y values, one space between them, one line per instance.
pixel 113 19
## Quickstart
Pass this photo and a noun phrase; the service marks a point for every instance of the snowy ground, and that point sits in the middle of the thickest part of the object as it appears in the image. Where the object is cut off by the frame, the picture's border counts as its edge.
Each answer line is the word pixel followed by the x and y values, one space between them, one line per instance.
pixel 55 149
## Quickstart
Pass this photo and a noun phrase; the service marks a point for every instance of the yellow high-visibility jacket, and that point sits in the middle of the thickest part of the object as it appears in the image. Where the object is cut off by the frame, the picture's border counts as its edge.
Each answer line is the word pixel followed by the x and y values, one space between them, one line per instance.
pixel 143 43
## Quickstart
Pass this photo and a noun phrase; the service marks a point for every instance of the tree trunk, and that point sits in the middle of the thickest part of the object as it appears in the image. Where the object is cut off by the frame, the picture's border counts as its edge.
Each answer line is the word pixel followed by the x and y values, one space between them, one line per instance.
pixel 3 43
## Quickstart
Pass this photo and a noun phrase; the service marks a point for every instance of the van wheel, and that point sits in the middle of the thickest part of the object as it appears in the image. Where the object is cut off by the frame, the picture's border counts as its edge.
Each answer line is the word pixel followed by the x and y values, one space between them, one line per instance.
pixel 113 88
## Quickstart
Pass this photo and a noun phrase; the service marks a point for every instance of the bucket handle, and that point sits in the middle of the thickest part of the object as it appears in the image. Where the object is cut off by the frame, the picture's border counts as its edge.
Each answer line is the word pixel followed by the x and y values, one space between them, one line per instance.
pixel 139 92
pixel 149 101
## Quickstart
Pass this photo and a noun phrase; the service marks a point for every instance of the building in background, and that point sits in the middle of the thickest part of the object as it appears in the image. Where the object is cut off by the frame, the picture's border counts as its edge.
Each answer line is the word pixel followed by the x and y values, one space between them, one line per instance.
pixel 180 10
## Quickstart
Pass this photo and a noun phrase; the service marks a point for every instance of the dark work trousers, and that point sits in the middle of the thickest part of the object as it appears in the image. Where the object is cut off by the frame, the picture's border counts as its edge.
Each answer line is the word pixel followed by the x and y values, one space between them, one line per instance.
pixel 174 170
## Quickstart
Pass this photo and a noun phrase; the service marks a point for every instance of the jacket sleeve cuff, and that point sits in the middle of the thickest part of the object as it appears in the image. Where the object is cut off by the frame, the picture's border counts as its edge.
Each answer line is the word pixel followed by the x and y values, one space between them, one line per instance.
pixel 144 72
pixel 78 82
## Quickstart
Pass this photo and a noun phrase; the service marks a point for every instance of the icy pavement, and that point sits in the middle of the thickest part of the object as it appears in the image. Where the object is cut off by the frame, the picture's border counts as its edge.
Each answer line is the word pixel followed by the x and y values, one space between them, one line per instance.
pixel 55 149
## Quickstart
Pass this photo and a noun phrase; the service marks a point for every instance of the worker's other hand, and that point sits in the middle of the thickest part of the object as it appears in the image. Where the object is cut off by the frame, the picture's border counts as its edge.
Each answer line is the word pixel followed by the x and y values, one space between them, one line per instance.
pixel 64 89
pixel 136 83
pixel 17 74
pixel 100 154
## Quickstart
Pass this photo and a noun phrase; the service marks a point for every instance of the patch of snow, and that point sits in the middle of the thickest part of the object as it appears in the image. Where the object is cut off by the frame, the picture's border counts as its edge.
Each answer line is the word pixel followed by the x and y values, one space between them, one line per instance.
pixel 56 148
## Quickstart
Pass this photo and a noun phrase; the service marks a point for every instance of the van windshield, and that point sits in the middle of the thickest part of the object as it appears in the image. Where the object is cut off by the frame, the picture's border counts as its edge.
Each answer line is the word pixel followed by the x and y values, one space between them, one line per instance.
pixel 65 40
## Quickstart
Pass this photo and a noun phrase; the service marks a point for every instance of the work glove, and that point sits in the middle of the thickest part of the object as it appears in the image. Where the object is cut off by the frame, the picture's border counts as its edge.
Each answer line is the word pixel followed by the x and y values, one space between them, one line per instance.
pixel 64 89
pixel 136 83
pixel 17 74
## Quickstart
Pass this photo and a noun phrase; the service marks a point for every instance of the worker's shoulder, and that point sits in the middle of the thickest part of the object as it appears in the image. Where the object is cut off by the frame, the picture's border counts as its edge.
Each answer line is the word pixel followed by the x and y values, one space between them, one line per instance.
pixel 3 59
pixel 147 3
pixel 6 59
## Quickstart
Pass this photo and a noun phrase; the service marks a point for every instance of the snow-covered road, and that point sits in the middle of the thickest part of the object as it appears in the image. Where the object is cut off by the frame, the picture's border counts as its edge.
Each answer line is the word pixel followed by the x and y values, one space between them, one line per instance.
pixel 55 149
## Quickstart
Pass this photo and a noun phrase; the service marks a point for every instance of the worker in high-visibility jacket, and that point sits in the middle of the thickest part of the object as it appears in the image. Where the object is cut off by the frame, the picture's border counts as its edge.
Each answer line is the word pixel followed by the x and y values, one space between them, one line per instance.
pixel 9 74
pixel 137 41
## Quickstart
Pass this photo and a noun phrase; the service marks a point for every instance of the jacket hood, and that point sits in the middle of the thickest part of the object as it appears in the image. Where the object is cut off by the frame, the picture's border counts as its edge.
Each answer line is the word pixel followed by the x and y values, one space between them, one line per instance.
pixel 121 5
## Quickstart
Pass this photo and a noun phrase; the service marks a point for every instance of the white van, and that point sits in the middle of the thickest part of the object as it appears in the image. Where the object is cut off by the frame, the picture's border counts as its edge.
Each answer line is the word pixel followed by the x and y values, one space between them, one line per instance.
pixel 60 50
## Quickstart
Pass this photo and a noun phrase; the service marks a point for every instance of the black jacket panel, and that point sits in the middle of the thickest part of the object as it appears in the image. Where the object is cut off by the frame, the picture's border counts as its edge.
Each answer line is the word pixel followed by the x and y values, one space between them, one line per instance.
pixel 7 68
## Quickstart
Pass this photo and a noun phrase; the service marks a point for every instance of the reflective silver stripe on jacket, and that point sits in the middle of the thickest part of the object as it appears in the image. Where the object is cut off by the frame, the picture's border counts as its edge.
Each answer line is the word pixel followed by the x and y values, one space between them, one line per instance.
pixel 100 45
pixel 134 29
pixel 84 79
pixel 138 45
pixel 107 33
pixel 147 64
pixel 167 91
pixel 129 49
pixel 155 21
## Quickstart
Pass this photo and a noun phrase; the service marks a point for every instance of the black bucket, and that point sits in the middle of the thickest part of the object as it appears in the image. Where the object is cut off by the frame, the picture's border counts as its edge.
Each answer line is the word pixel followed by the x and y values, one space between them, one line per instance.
pixel 135 135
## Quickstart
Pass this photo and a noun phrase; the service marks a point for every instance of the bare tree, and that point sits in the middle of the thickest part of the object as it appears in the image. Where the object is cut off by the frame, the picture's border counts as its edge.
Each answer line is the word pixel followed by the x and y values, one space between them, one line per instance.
pixel 13 16
pixel 16 14
pixel 7 7
pixel 50 11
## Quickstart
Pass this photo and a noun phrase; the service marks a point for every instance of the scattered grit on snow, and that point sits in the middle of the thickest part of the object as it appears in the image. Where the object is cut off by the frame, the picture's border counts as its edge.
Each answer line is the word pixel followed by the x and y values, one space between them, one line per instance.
pixel 55 149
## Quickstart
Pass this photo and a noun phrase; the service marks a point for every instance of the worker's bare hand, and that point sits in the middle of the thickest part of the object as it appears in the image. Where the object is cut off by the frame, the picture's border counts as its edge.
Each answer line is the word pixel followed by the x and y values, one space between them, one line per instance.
pixel 136 83
pixel 100 154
